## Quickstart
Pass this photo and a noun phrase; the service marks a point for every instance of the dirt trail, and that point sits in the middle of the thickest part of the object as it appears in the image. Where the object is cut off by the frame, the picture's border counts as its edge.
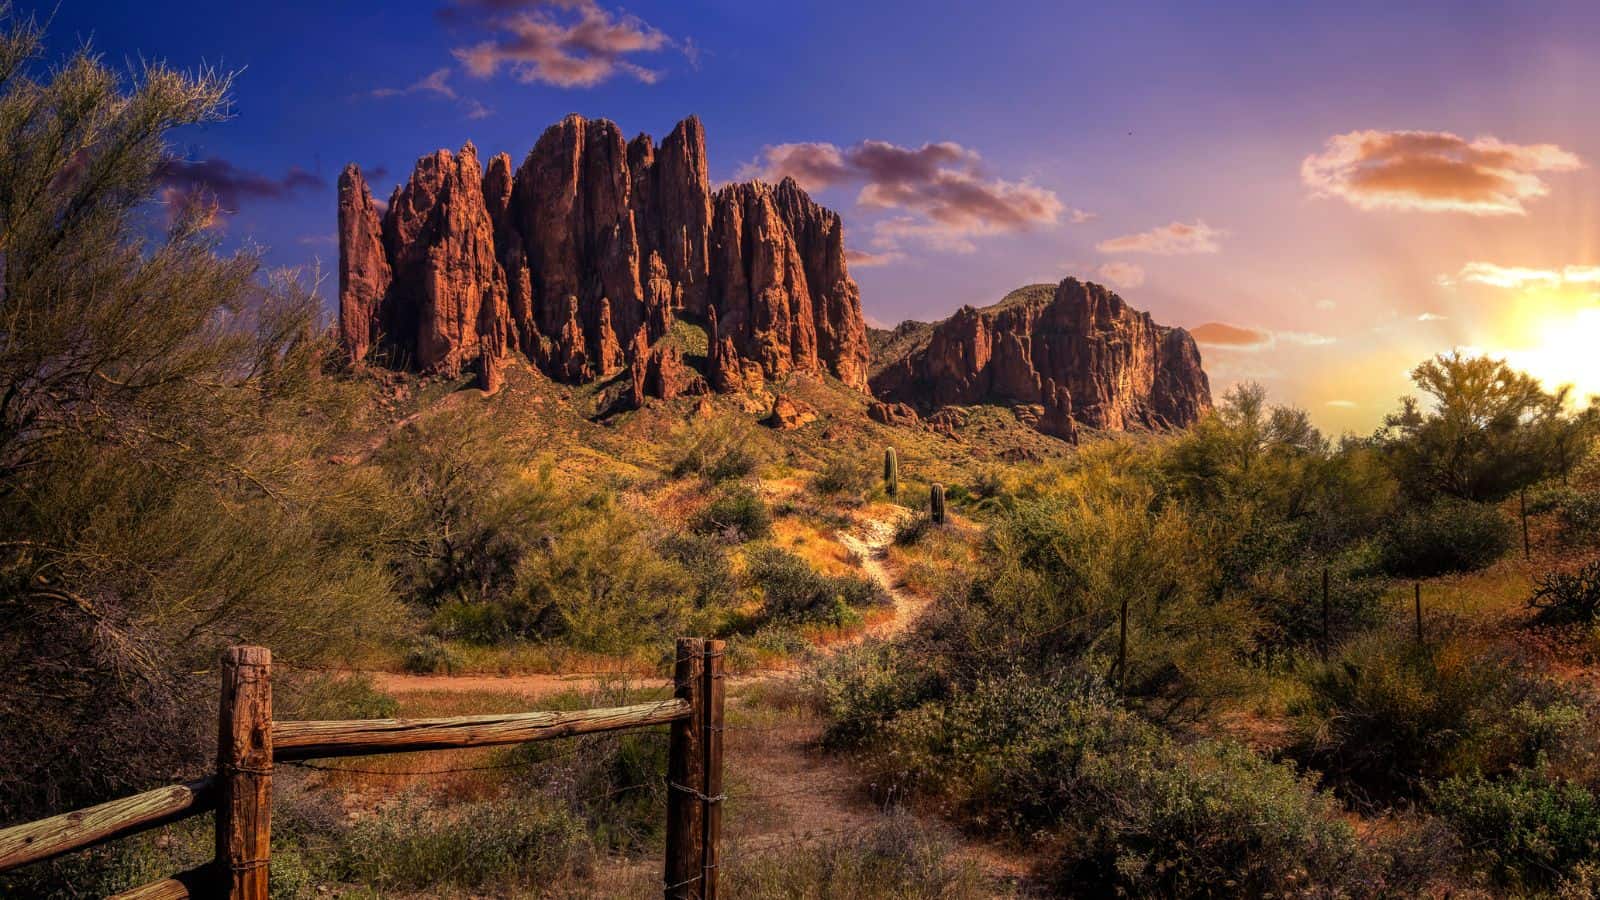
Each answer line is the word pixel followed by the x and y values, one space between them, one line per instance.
pixel 782 790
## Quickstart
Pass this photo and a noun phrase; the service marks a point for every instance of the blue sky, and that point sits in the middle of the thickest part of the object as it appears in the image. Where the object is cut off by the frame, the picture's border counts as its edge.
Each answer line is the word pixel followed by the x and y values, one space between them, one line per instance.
pixel 1159 146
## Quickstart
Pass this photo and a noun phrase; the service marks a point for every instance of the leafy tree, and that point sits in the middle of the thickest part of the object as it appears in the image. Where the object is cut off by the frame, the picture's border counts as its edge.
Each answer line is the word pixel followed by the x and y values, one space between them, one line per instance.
pixel 161 406
pixel 1488 431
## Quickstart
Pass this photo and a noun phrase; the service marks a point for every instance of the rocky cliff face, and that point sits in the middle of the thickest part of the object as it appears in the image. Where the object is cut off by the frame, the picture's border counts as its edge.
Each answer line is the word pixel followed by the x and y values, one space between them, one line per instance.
pixel 583 257
pixel 1074 349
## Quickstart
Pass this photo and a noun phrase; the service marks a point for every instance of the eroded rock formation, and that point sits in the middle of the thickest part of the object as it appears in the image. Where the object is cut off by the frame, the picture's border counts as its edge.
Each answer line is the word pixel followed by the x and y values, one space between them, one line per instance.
pixel 1074 349
pixel 584 256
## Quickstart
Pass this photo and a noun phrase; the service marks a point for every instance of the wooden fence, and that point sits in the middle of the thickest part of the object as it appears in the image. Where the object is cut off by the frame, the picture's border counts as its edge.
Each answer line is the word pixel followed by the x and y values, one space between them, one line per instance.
pixel 249 742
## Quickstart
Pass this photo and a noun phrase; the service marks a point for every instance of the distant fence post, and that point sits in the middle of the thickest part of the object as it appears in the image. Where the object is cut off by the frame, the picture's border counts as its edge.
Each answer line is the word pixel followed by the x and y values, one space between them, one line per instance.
pixel 1416 592
pixel 714 694
pixel 244 772
pixel 686 783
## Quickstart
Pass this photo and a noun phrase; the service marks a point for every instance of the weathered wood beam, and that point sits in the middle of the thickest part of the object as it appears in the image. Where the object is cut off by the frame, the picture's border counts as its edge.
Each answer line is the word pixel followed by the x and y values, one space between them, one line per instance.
pixel 69 831
pixel 361 737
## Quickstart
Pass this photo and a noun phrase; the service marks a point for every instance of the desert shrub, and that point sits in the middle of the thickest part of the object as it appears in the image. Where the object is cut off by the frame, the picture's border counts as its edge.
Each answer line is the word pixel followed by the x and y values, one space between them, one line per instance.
pixel 1487 431
pixel 331 696
pixel 860 689
pixel 1289 601
pixel 1057 570
pixel 1013 752
pixel 601 586
pixel 427 655
pixel 912 529
pixel 736 510
pixel 469 513
pixel 1388 714
pixel 1446 536
pixel 469 845
pixel 477 623
pixel 845 475
pixel 793 592
pixel 1567 598
pixel 717 450
pixel 898 858
pixel 1214 820
pixel 1549 496
pixel 1580 515
pixel 1134 812
pixel 1528 831
pixel 704 558
pixel 164 413
pixel 611 783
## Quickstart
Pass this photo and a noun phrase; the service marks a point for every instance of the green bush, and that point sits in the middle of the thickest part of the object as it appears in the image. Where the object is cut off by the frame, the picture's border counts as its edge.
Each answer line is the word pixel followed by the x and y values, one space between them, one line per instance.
pixel 1133 812
pixel 470 845
pixel 844 475
pixel 428 655
pixel 477 623
pixel 912 529
pixel 1289 602
pixel 1017 752
pixel 1568 598
pixel 331 696
pixel 717 451
pixel 860 689
pixel 1580 515
pixel 1214 820
pixel 704 558
pixel 793 592
pixel 895 859
pixel 602 586
pixel 737 510
pixel 1446 536
pixel 1528 831
pixel 1388 715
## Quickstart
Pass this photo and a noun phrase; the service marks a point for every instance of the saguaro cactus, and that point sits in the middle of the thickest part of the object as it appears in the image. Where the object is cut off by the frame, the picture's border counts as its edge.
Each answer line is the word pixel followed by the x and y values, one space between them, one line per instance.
pixel 891 472
pixel 936 503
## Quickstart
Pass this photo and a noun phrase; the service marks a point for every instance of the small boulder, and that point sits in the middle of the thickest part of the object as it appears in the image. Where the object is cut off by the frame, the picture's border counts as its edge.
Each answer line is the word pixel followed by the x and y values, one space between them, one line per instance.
pixel 789 414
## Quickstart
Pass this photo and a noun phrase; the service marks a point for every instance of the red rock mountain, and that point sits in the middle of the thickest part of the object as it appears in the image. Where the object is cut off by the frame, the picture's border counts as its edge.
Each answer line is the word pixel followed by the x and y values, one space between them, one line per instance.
pixel 583 257
pixel 1075 349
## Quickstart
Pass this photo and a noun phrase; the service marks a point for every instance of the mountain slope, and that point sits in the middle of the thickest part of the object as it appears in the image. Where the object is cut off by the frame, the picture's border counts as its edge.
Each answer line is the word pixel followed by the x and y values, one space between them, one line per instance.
pixel 1075 349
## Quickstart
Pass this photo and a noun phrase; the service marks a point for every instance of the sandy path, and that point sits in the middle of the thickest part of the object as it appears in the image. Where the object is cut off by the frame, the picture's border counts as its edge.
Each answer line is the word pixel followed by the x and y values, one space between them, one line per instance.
pixel 783 791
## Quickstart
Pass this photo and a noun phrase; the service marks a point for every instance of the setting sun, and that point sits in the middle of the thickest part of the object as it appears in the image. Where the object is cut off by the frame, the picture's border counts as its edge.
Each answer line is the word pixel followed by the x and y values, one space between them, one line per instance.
pixel 1565 350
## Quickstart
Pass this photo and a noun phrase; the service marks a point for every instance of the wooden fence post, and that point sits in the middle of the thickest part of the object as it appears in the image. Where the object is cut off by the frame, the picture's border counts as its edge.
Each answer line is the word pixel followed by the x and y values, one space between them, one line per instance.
pixel 713 697
pixel 244 772
pixel 1417 593
pixel 686 783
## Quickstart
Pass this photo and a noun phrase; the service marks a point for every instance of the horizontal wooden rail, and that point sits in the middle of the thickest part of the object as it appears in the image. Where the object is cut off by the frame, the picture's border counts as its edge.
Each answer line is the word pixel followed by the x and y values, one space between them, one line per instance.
pixel 46 838
pixel 362 737
pixel 197 882
pixel 249 740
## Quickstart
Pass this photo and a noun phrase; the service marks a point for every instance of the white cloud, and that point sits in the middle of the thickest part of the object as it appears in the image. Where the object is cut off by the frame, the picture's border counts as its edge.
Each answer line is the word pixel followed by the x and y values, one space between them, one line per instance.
pixel 1512 277
pixel 1433 171
pixel 940 190
pixel 1122 274
pixel 1168 240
